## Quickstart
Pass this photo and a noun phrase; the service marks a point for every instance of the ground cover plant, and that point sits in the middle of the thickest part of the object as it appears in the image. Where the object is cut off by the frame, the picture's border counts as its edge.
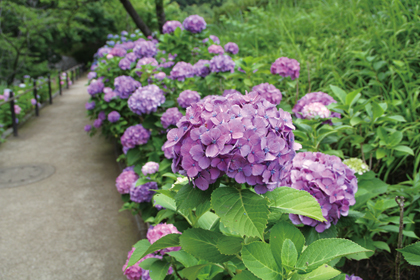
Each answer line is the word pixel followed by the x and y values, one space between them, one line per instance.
pixel 249 164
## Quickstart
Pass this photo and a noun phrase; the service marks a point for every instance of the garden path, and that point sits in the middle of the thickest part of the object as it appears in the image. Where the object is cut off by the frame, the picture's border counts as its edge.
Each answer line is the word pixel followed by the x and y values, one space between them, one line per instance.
pixel 66 226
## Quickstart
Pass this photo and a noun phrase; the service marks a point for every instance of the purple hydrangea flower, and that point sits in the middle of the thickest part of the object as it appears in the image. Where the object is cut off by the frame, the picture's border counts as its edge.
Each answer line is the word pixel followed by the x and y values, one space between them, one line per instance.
pixel 102 116
pixel 314 97
pixel 103 51
pixel 145 49
pixel 268 92
pixel 125 180
pixel 143 193
pixel 135 135
pixel 150 167
pixel 202 68
pixel 124 64
pixel 160 76
pixel 232 48
pixel 352 277
pixel 96 86
pixel 243 136
pixel 315 109
pixel 286 67
pixel 97 123
pixel 88 128
pixel 114 116
pixel 88 105
pixel 216 49
pixel 124 33
pixel 182 70
pixel 117 51
pixel 127 46
pixel 170 117
pixel 226 92
pixel 91 75
pixel 215 39
pixel 170 26
pixel 330 181
pixel 33 102
pixel 146 61
pixel 222 63
pixel 194 24
pixel 187 98
pixel 109 94
pixel 146 100
pixel 125 86
pixel 160 230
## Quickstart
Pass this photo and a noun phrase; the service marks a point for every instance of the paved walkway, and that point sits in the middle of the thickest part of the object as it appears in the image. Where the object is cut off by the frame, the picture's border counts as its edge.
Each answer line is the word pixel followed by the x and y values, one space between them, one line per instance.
pixel 66 226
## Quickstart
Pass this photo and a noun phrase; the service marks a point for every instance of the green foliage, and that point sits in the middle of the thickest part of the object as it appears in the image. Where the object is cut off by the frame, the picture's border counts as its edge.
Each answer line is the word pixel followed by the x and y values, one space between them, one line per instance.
pixel 411 253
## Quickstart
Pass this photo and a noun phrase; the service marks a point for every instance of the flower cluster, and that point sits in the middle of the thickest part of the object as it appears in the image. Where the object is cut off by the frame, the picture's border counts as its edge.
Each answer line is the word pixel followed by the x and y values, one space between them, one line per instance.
pixel 160 76
pixel 170 26
pixel 109 94
pixel 194 24
pixel 97 123
pixel 143 193
pixel 268 92
pixel 117 51
pixel 357 165
pixel 170 117
pixel 146 100
pixel 352 277
pixel 160 230
pixel 245 137
pixel 150 167
pixel 222 63
pixel 216 49
pixel 145 61
pixel 126 180
pixel 125 86
pixel 201 68
pixel 286 67
pixel 91 75
pixel 182 70
pixel 327 179
pixel 135 272
pixel 113 117
pixel 304 109
pixel 96 86
pixel 88 105
pixel 88 128
pixel 135 135
pixel 187 98
pixel 145 49
pixel 232 48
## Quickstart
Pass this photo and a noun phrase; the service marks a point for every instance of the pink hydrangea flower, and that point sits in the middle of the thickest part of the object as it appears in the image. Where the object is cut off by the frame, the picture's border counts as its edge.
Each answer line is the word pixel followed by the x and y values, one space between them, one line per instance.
pixel 150 167
pixel 17 109
pixel 315 109
pixel 314 97
pixel 160 230
pixel 286 67
pixel 125 180
pixel 216 49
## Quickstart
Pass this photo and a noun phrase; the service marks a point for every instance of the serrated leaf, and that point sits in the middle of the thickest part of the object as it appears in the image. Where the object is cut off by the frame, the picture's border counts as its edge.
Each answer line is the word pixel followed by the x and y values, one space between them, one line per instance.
pixel 141 247
pixel 404 149
pixel 341 94
pixel 311 235
pixel 167 241
pixel 165 201
pixel 289 254
pixel 241 210
pixel 133 155
pixel 145 264
pixel 203 245
pixel 324 272
pixel 245 275
pixel 382 245
pixel 377 110
pixel 189 197
pixel 325 250
pixel 353 96
pixel 229 245
pixel 192 272
pixel 279 233
pixel 296 202
pixel 158 270
pixel 258 258
pixel 183 257
pixel 411 253
pixel 208 221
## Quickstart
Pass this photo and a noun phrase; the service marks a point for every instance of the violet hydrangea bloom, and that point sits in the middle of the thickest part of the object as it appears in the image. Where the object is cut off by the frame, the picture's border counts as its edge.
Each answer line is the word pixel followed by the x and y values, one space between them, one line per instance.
pixel 103 51
pixel 146 61
pixel 268 92
pixel 215 39
pixel 243 136
pixel 97 123
pixel 125 86
pixel 150 167
pixel 286 67
pixel 226 92
pixel 352 277
pixel 113 117
pixel 202 68
pixel 187 98
pixel 145 49
pixel 216 49
pixel 109 94
pixel 170 26
pixel 88 105
pixel 157 232
pixel 182 70
pixel 315 109
pixel 124 64
pixel 135 272
pixel 232 48
pixel 125 180
pixel 117 51
pixel 102 116
pixel 330 181
pixel 91 75
pixel 194 24
pixel 170 117
pixel 143 192
pixel 314 97
pixel 96 86
pixel 160 76
pixel 222 63
pixel 146 100
pixel 88 128
pixel 135 135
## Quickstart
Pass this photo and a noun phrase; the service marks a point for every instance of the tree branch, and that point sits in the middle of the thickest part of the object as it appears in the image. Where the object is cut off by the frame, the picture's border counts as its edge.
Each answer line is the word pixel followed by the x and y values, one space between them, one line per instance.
pixel 136 18
pixel 160 14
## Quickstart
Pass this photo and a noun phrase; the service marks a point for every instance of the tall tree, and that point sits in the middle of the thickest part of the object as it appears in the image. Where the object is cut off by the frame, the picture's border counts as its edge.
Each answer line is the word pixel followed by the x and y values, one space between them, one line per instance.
pixel 136 18
pixel 160 14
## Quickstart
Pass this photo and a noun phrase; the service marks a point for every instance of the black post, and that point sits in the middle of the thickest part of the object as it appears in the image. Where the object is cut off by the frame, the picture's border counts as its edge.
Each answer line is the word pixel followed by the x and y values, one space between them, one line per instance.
pixel 59 81
pixel 67 80
pixel 36 100
pixel 12 110
pixel 73 75
pixel 49 87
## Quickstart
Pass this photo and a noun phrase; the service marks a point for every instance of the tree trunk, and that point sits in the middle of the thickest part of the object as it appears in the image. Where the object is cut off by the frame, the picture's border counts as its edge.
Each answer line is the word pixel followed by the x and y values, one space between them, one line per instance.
pixel 136 18
pixel 160 14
